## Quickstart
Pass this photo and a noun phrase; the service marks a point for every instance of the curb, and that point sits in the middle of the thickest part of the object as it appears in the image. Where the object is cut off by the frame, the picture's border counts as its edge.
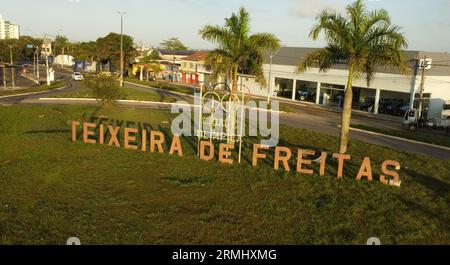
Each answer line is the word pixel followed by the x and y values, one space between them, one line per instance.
pixel 146 102
pixel 32 93
pixel 401 139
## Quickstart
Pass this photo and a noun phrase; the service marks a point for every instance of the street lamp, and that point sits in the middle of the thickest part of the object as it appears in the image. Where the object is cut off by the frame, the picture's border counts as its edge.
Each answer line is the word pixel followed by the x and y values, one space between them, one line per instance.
pixel 12 67
pixel 121 47
pixel 36 58
pixel 270 85
pixel 62 48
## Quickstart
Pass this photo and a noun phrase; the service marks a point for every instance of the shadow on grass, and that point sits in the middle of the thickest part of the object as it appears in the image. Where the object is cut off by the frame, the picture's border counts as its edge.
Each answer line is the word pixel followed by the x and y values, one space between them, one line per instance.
pixel 436 186
pixel 48 131
pixel 431 214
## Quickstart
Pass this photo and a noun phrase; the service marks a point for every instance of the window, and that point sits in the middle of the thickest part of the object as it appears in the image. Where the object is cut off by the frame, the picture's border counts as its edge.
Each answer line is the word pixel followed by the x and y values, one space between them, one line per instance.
pixel 446 107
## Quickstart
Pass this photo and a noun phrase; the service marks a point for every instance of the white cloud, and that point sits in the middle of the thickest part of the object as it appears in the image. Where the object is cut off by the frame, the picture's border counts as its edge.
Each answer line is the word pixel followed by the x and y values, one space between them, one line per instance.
pixel 311 8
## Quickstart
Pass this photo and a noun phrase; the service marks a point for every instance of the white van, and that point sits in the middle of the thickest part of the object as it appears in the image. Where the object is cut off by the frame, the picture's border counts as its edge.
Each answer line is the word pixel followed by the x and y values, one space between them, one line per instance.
pixel 446 110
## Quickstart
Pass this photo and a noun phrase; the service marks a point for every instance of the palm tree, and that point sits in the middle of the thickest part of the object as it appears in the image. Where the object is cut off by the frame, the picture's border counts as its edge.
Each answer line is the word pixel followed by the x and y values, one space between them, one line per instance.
pixel 363 40
pixel 149 61
pixel 238 50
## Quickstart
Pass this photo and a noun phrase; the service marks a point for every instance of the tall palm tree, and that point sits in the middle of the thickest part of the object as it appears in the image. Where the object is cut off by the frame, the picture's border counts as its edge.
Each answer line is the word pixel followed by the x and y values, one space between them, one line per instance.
pixel 238 51
pixel 363 40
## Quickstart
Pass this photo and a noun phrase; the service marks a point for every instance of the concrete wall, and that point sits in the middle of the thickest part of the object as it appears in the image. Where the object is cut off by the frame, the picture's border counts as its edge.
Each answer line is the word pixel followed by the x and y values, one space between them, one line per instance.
pixel 439 87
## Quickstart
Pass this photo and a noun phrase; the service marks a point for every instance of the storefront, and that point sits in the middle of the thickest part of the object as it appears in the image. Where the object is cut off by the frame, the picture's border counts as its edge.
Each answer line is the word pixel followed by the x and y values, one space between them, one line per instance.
pixel 389 93
pixel 284 88
pixel 306 91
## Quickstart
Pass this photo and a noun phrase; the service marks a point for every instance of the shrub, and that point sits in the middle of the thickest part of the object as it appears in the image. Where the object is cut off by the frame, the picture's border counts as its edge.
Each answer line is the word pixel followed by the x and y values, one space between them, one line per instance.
pixel 104 88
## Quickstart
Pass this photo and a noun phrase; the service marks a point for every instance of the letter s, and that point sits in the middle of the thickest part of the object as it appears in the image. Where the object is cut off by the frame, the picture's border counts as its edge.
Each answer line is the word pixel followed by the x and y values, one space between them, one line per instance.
pixel 386 171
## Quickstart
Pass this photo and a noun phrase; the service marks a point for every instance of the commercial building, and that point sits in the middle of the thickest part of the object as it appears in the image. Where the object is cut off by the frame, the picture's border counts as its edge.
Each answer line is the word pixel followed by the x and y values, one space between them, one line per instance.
pixel 193 71
pixel 390 92
pixel 8 30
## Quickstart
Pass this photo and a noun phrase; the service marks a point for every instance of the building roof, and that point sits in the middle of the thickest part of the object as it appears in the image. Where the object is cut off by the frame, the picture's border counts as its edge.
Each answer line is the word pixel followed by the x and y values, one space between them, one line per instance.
pixel 178 53
pixel 196 56
pixel 291 56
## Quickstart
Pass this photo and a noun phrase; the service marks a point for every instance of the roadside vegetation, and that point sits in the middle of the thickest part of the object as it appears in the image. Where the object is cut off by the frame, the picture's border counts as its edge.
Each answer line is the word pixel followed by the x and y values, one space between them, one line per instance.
pixel 105 89
pixel 127 93
pixel 420 136
pixel 189 90
pixel 53 188
pixel 41 88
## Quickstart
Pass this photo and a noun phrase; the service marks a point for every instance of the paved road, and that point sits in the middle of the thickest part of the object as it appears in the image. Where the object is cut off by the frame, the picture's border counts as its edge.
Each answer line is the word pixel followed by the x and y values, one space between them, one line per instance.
pixel 308 117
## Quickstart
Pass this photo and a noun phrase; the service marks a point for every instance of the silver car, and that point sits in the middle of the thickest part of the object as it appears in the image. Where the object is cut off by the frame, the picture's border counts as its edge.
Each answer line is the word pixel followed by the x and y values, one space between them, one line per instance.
pixel 77 76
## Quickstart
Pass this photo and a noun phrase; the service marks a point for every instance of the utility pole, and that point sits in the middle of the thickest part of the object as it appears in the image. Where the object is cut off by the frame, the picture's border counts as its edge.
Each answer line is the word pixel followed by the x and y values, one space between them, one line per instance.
pixel 121 48
pixel 46 61
pixel 36 54
pixel 38 75
pixel 422 87
pixel 173 66
pixel 4 76
pixel 269 88
pixel 141 67
pixel 62 48
pixel 12 67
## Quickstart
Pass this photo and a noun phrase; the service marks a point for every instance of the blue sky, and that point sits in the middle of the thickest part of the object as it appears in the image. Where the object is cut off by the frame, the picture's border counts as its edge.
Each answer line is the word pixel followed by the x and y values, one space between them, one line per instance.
pixel 426 23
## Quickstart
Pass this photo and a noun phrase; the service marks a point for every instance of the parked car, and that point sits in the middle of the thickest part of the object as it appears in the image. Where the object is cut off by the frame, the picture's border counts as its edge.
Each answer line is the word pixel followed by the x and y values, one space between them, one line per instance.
pixel 305 95
pixel 77 76
pixel 367 106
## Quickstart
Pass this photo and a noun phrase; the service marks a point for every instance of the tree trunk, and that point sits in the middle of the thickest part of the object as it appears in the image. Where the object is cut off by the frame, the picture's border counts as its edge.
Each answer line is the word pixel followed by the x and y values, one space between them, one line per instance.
pixel 235 80
pixel 148 73
pixel 346 113
pixel 232 112
pixel 141 73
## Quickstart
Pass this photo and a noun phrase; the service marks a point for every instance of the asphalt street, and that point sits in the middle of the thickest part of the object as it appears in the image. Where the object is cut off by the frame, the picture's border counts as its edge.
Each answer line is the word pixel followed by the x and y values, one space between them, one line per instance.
pixel 308 117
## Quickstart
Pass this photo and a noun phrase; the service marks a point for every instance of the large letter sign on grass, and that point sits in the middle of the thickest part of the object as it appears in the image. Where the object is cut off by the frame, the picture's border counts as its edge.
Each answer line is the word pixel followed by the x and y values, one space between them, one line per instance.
pixel 207 149
pixel 219 117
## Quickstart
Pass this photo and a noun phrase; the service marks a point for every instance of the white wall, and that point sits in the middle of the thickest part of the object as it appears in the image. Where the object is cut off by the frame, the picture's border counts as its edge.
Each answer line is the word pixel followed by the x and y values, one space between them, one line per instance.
pixel 66 60
pixel 439 87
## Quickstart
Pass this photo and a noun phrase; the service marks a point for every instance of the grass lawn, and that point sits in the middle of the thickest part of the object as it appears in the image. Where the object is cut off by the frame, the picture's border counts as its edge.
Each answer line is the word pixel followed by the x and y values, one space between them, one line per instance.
pixel 53 189
pixel 420 136
pixel 128 93
pixel 40 88
pixel 163 85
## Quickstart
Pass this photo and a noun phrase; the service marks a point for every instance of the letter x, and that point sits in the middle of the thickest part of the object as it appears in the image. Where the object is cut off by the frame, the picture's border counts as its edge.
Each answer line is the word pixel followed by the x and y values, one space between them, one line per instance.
pixel 113 140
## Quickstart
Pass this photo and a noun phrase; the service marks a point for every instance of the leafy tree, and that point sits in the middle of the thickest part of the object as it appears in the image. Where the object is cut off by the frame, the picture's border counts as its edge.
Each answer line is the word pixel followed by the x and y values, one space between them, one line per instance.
pixel 238 51
pixel 60 44
pixel 173 44
pixel 363 40
pixel 108 48
pixel 84 51
pixel 19 48
pixel 104 88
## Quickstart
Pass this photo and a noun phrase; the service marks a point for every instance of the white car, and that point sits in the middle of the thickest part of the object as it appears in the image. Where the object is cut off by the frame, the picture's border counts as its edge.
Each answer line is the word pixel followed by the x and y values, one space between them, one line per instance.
pixel 77 76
